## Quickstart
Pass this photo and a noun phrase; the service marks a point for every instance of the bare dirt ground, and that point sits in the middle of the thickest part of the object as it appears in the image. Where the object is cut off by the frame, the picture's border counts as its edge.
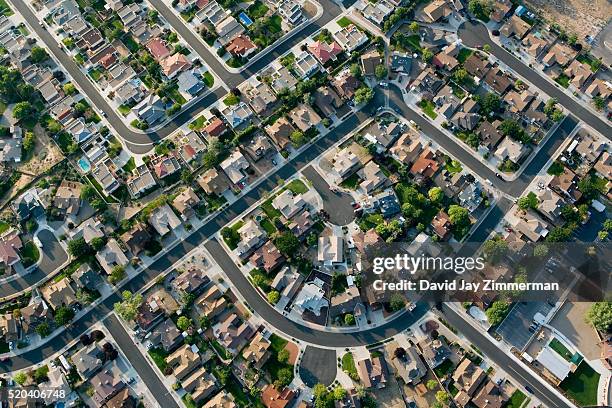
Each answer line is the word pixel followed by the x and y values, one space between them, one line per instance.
pixel 45 155
pixel 583 17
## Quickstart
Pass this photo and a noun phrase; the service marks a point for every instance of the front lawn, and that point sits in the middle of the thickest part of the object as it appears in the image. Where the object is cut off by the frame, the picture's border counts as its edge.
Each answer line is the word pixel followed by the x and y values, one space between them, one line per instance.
pixel 208 79
pixel 429 108
pixel 351 182
pixel 231 99
pixel 464 54
pixel 4 226
pixel 198 123
pixel 268 226
pixel 129 166
pixel 232 241
pixel 270 211
pixel 175 95
pixel 297 187
pixel 516 400
pixel 158 356
pixel 370 221
pixel 29 254
pixel 581 385
pixel 5 9
pixel 563 80
pixel 274 24
pixel 95 74
pixel 344 22
pixel 348 366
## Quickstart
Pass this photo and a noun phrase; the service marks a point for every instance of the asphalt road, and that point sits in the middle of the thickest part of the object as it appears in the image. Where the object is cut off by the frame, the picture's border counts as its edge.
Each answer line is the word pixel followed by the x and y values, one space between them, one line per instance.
pixel 336 203
pixel 139 362
pixel 484 344
pixel 53 256
pixel 318 366
pixel 476 35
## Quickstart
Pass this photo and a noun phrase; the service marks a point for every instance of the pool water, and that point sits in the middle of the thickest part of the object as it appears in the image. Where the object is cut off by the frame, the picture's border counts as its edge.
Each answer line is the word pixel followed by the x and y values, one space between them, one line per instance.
pixel 246 20
pixel 84 164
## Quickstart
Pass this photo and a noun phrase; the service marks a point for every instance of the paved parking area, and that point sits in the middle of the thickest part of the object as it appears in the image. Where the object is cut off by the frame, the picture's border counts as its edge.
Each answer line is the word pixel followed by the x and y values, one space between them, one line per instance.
pixel 515 328
pixel 318 366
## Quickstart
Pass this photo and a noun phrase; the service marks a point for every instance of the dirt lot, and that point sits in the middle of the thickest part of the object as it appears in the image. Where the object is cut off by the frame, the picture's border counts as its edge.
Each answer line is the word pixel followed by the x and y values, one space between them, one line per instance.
pixel 570 321
pixel 583 17
pixel 45 154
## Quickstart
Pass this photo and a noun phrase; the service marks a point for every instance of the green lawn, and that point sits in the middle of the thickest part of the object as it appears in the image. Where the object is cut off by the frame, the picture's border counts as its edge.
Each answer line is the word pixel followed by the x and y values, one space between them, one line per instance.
pixel 563 80
pixel 158 356
pixel 297 187
pixel 198 123
pixel 231 99
pixel 590 61
pixel 344 21
pixel 464 54
pixel 268 226
pixel 231 244
pixel 274 24
pixel 414 42
pixel 29 254
pixel 257 10
pixel 234 388
pixel 95 74
pixel 446 367
pixel 560 349
pixel 581 385
pixel 516 400
pixel 351 182
pixel 208 79
pixel 129 166
pixel 370 221
pixel 175 95
pixel 453 166
pixel 270 211
pixel 124 110
pixel 221 350
pixel 348 366
pixel 188 400
pixel 4 226
pixel 429 108
pixel 273 366
pixel 5 9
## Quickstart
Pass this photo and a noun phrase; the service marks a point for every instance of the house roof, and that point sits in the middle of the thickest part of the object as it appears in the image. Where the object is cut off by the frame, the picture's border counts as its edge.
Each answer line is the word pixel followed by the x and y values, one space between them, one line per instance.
pixel 175 63
pixel 324 51
pixel 158 49
pixel 241 45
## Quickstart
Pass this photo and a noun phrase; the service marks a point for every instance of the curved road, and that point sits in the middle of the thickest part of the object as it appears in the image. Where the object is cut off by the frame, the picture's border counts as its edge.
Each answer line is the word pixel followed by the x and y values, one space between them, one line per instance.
pixel 476 35
pixel 141 142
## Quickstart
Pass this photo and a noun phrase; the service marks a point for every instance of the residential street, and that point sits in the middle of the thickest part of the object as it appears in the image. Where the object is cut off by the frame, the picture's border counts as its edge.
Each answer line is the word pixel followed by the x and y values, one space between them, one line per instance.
pixel 476 35
pixel 139 362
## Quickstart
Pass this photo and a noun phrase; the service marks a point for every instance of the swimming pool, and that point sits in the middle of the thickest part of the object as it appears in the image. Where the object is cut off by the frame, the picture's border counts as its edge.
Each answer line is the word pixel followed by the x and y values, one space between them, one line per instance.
pixel 84 164
pixel 246 20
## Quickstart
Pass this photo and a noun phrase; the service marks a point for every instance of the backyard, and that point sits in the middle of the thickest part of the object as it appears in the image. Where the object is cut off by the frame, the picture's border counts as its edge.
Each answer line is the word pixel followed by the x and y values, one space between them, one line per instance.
pixel 581 385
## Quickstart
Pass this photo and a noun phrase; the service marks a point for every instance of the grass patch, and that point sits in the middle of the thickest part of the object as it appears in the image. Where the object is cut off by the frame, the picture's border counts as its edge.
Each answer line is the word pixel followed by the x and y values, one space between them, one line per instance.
pixel 297 187
pixel 563 80
pixel 453 166
pixel 198 124
pixel 414 42
pixel 158 356
pixel 594 63
pixel 231 242
pixel 556 345
pixel 4 226
pixel 124 110
pixel 234 388
pixel 370 221
pixel 464 54
pixel 344 22
pixel 5 9
pixel 95 74
pixel 129 166
pixel 208 79
pixel 268 226
pixel 274 24
pixel 348 366
pixel 273 366
pixel 188 400
pixel 175 95
pixel 516 400
pixel 221 350
pixel 257 10
pixel 29 254
pixel 270 211
pixel 445 368
pixel 429 108
pixel 351 182
pixel 231 99
pixel 555 169
pixel 581 385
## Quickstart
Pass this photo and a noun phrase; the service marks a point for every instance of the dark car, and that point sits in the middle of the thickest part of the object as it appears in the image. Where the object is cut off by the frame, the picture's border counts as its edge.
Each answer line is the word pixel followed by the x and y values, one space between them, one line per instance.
pixel 495 33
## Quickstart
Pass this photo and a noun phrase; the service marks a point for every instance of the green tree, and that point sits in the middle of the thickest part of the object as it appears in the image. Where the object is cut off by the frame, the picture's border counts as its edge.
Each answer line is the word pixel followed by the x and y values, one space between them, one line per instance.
pixel 497 312
pixel 283 356
pixel 442 397
pixel 43 329
pixel 183 323
pixel 24 110
pixel 63 315
pixel 127 309
pixel 458 215
pixel 380 71
pixel 29 141
pixel 602 235
pixel 495 248
pixel 273 297
pixel 355 70
pixel 38 54
pixel 88 192
pixel 432 385
pixel 559 234
pixel 69 88
pixel 98 243
pixel 20 378
pixel 592 186
pixel 40 374
pixel 349 319
pixel 461 76
pixel 364 95
pixel 78 248
pixel 491 103
pixel 528 201
pixel 297 138
pixel 284 376
pixel 600 316
pixel 599 103
pixel 435 194
pixel 396 302
pixel 117 274
pixel 339 393
pixel 414 27
pixel 427 55
pixel 540 250
pixel 287 244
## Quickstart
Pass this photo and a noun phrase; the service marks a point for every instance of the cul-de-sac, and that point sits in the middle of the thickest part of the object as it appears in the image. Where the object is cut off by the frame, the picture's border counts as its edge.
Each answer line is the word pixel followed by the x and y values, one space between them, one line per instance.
pixel 207 203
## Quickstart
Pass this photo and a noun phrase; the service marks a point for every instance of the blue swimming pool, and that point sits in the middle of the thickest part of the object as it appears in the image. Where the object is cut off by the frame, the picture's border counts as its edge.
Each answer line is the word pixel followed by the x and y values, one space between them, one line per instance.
pixel 246 20
pixel 84 165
